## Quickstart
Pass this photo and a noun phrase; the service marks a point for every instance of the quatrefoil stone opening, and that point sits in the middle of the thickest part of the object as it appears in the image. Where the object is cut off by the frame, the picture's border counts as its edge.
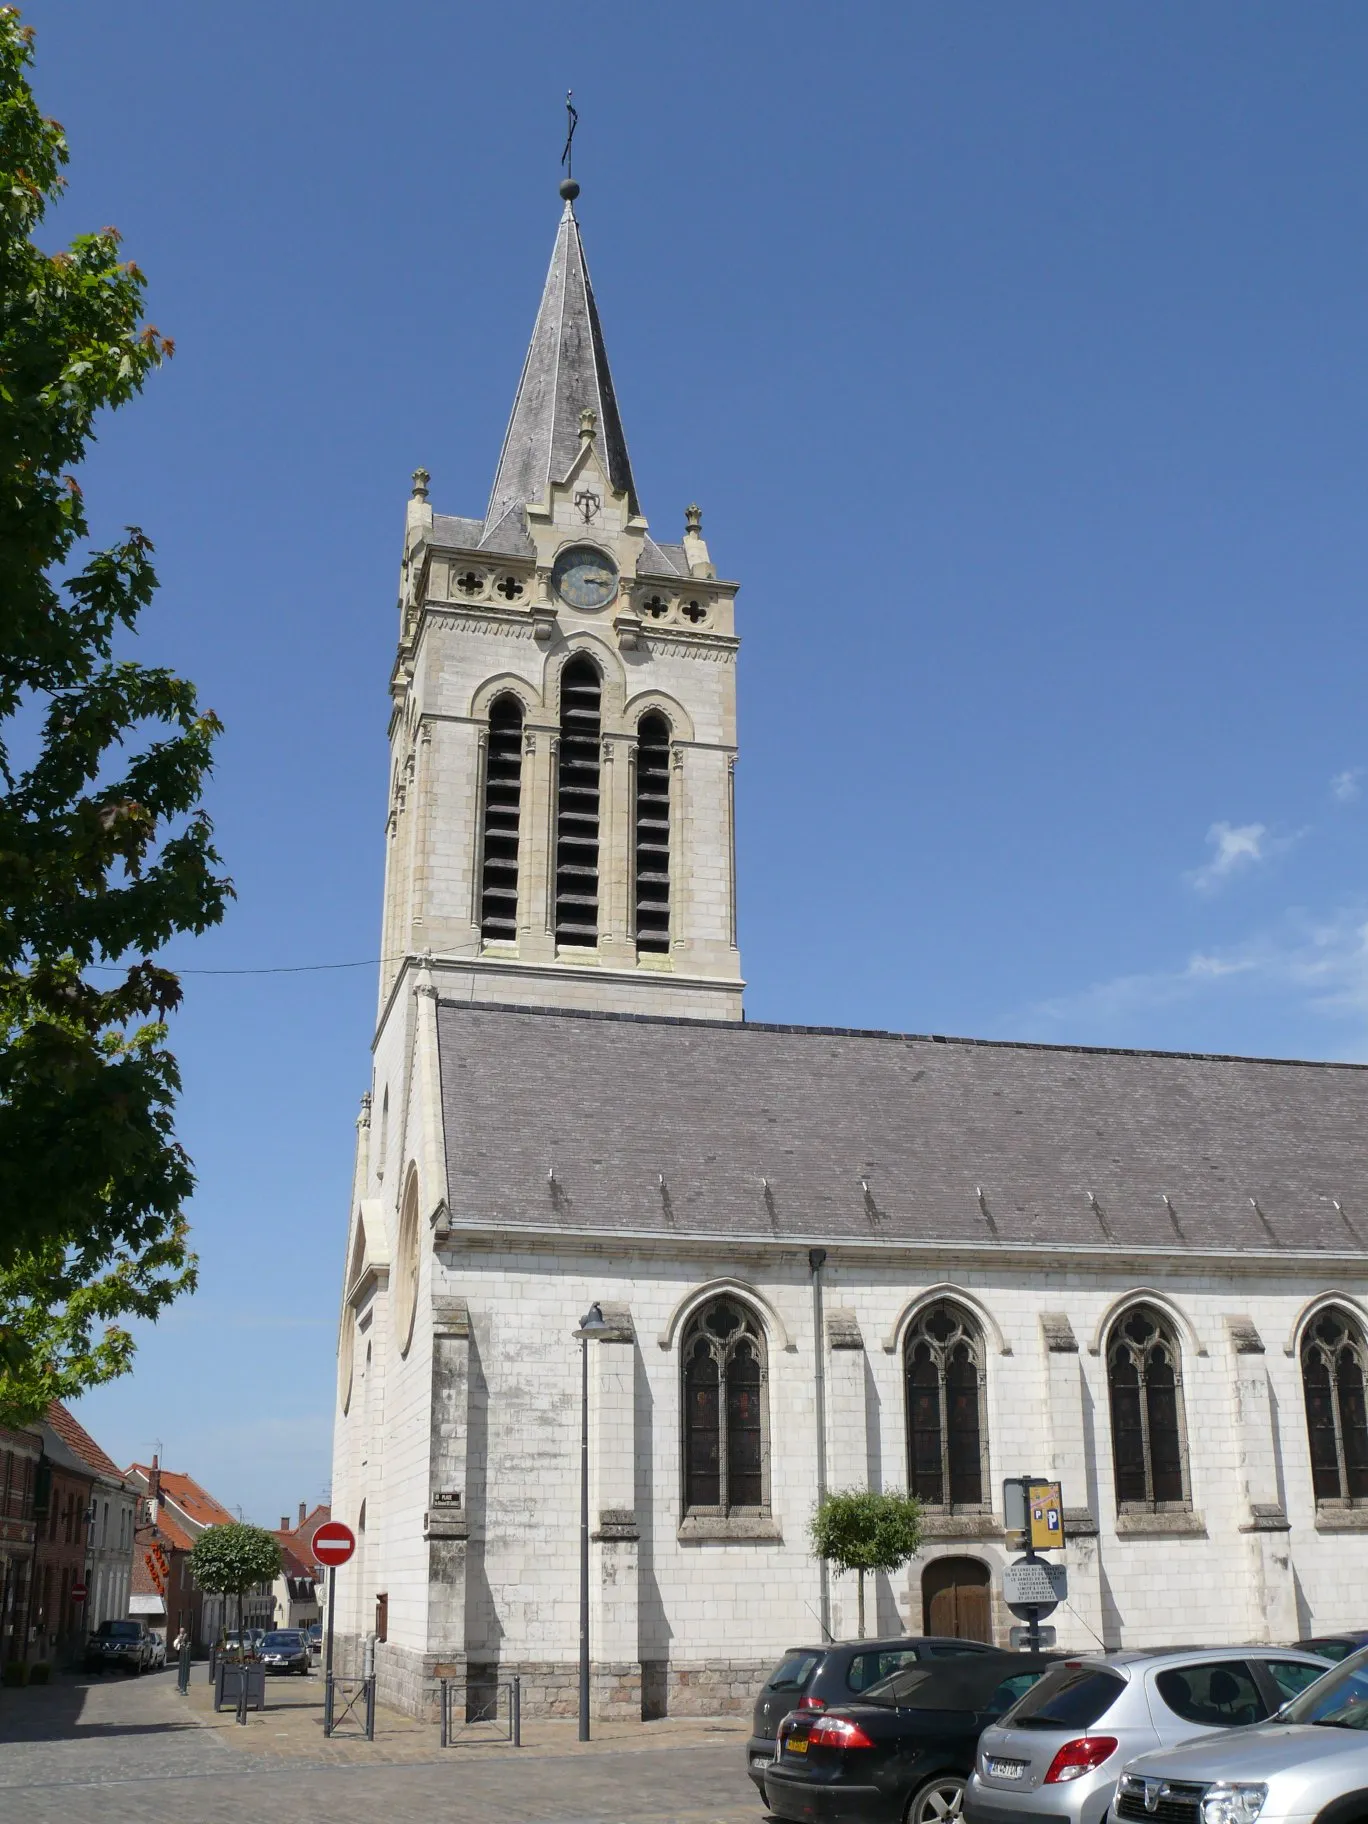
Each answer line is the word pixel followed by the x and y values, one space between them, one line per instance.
pixel 695 612
pixel 656 606
pixel 470 583
pixel 509 588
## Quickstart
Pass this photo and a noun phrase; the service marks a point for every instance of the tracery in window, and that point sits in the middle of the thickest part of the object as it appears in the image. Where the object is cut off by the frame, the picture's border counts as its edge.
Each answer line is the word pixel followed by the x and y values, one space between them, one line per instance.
pixel 725 1419
pixel 502 812
pixel 1332 1359
pixel 577 805
pixel 943 1365
pixel 1144 1380
pixel 653 834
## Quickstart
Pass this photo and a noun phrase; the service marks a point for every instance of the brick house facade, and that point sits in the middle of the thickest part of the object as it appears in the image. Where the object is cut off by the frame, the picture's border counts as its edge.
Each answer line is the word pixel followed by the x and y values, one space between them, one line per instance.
pixel 20 1453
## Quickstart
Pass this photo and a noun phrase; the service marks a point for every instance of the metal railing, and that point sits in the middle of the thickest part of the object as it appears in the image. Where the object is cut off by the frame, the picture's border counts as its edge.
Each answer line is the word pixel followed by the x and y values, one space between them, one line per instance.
pixel 482 1712
pixel 349 1707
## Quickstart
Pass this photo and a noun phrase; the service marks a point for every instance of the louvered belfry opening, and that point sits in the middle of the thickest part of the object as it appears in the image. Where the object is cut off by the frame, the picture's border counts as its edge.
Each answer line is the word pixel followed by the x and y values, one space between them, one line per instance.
pixel 577 805
pixel 653 834
pixel 502 804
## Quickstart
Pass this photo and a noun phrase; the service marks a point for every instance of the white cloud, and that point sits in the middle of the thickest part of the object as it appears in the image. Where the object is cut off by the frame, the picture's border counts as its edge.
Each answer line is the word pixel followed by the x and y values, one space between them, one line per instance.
pixel 1321 962
pixel 1237 846
pixel 1345 787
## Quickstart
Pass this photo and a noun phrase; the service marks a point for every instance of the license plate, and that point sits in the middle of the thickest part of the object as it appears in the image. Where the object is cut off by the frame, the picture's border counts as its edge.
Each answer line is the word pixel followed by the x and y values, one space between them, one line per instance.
pixel 1005 1770
pixel 796 1744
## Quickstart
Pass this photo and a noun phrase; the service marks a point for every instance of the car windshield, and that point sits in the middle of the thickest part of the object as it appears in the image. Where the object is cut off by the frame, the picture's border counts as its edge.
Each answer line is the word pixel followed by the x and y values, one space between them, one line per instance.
pixel 1068 1697
pixel 1337 1701
pixel 794 1673
pixel 284 1640
pixel 119 1630
pixel 990 1685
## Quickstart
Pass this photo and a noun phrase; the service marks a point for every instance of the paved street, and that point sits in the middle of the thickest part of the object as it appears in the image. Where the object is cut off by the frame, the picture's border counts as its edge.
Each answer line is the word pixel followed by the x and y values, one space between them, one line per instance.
pixel 82 1751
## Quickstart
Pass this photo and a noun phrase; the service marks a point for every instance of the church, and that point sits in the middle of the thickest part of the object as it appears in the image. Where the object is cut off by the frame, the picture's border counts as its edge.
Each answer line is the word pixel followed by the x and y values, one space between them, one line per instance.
pixel 823 1259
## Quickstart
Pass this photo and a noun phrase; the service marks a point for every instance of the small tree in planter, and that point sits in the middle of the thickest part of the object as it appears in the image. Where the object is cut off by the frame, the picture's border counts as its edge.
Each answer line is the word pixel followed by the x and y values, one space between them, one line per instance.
pixel 858 1530
pixel 230 1560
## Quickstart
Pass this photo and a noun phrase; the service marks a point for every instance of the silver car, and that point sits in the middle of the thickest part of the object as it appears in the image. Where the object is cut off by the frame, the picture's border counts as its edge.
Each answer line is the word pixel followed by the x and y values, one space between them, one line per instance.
pixel 1057 1754
pixel 1309 1765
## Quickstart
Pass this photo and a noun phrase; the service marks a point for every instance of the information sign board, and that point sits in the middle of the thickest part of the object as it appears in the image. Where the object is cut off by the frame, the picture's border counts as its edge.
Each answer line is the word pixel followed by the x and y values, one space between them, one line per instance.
pixel 1032 1583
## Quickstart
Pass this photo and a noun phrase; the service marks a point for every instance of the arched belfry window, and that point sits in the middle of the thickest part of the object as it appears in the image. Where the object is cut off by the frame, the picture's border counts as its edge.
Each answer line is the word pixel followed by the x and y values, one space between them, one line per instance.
pixel 946 1434
pixel 653 834
pixel 726 1424
pixel 577 805
pixel 1332 1362
pixel 502 813
pixel 1144 1380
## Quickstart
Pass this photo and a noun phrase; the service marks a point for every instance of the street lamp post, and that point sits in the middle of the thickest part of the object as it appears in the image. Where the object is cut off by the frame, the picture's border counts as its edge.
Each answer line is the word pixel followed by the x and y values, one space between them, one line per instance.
pixel 592 1326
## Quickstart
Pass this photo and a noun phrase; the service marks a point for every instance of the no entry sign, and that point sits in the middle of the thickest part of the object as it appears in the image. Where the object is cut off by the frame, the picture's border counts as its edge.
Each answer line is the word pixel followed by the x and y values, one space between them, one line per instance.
pixel 78 1592
pixel 333 1543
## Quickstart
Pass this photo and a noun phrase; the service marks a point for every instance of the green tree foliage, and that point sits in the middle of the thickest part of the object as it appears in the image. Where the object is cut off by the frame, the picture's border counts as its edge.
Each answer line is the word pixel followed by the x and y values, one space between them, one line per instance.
pixel 230 1560
pixel 858 1530
pixel 104 853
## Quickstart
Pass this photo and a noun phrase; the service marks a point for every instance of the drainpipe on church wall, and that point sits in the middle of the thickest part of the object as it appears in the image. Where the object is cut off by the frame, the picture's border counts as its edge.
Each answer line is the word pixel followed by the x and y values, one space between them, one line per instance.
pixel 817 1260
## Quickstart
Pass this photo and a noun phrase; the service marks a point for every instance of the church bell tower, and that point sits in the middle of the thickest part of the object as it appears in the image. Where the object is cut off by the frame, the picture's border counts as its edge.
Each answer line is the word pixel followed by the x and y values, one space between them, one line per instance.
pixel 563 737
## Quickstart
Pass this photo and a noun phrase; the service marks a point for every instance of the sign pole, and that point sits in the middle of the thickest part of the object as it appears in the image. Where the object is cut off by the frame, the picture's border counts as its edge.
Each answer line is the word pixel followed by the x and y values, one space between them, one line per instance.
pixel 332 1605
pixel 1033 1620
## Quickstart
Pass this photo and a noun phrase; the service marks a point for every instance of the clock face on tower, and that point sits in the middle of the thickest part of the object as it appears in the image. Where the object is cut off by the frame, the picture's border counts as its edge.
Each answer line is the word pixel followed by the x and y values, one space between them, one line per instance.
pixel 584 577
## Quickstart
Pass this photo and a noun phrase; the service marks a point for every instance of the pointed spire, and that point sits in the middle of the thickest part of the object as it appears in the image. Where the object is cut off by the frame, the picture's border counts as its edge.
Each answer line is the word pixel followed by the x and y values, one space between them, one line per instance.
pixel 565 374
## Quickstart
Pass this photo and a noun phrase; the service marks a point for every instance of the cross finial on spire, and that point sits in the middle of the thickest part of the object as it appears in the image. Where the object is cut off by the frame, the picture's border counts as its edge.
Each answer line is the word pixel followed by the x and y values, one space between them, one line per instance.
pixel 569 188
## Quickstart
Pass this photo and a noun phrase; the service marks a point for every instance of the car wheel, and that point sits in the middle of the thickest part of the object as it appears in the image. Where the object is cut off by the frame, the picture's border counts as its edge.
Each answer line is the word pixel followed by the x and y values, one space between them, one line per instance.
pixel 940 1801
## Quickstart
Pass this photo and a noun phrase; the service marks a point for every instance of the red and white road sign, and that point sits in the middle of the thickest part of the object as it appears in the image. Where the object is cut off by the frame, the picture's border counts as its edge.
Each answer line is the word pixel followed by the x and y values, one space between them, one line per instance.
pixel 333 1543
pixel 78 1592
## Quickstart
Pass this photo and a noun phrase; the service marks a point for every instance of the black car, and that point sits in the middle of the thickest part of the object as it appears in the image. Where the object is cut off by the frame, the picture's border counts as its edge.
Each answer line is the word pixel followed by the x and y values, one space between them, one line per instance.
pixel 284 1650
pixel 1336 1646
pixel 812 1678
pixel 122 1645
pixel 902 1752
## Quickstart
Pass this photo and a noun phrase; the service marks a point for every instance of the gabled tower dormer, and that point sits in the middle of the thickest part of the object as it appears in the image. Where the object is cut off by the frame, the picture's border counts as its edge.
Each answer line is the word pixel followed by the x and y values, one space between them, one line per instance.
pixel 564 729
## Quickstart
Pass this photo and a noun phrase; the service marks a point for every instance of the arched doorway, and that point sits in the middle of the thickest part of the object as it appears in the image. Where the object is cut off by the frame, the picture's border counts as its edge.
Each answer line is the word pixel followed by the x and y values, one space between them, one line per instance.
pixel 955 1599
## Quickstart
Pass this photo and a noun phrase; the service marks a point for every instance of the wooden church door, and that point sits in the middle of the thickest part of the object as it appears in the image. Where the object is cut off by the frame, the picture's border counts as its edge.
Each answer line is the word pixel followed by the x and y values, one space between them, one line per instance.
pixel 955 1599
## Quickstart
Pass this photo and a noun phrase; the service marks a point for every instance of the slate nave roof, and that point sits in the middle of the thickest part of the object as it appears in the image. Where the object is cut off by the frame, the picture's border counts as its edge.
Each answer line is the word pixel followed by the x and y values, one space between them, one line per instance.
pixel 571 1120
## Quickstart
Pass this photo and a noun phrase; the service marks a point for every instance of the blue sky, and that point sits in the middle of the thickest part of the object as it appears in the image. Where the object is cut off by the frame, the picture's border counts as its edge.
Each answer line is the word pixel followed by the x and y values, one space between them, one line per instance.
pixel 1015 356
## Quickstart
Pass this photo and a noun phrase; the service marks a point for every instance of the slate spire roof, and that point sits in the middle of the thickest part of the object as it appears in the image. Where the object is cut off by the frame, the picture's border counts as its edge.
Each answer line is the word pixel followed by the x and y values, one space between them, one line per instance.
pixel 565 371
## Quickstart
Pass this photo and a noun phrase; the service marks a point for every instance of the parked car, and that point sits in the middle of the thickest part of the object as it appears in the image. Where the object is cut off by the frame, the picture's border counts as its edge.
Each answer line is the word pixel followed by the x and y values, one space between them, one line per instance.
pixel 284 1650
pixel 1059 1753
pixel 1310 1762
pixel 244 1645
pixel 811 1678
pixel 1336 1646
pixel 314 1636
pixel 157 1662
pixel 902 1751
pixel 122 1645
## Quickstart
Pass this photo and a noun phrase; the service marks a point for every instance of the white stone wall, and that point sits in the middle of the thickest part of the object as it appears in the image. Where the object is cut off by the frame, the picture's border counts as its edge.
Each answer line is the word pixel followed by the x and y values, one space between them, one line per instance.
pixel 705 1604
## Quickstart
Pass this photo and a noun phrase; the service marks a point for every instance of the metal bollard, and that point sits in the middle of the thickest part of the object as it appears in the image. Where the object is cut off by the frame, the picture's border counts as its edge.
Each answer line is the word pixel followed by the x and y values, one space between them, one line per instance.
pixel 446 1713
pixel 183 1670
pixel 517 1710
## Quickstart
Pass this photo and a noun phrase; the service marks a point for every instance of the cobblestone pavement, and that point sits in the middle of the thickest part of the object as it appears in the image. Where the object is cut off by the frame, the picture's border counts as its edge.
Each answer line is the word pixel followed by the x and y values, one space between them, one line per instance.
pixel 81 1751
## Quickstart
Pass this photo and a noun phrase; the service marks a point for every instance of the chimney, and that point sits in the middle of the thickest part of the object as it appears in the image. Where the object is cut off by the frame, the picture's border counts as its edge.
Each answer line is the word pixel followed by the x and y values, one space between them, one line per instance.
pixel 284 1523
pixel 154 1492
pixel 303 1512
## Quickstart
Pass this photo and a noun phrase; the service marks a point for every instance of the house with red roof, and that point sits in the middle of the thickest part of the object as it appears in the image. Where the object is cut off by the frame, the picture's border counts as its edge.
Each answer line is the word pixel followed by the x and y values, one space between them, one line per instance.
pixel 297 1589
pixel 106 1524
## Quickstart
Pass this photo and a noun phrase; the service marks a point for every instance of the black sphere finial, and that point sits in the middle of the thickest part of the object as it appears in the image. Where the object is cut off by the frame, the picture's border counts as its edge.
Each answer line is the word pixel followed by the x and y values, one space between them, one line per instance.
pixel 569 189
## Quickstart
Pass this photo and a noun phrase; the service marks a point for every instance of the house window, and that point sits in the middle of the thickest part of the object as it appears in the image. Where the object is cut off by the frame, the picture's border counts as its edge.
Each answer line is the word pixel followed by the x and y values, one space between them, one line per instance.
pixel 577 805
pixel 1332 1357
pixel 726 1427
pixel 1144 1379
pixel 652 831
pixel 502 808
pixel 943 1364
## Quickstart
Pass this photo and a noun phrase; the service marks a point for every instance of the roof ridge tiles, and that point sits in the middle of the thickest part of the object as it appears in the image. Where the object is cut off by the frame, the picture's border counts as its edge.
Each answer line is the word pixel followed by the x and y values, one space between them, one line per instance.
pixel 892 1037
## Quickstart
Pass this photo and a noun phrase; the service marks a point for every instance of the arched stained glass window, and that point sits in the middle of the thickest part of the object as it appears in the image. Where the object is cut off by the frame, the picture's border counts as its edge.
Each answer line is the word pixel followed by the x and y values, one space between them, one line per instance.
pixel 943 1363
pixel 1332 1359
pixel 726 1424
pixel 1145 1385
